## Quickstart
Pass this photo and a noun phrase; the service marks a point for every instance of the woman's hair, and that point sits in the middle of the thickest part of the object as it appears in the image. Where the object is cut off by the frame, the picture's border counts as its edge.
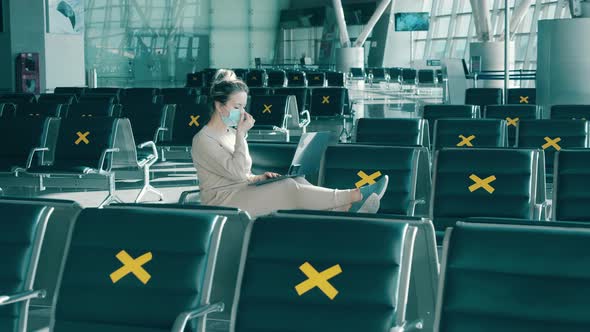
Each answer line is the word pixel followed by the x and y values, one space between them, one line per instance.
pixel 225 84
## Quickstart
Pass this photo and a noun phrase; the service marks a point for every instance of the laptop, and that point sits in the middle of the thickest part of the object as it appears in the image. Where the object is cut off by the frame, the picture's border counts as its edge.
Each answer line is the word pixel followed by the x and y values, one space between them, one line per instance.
pixel 307 158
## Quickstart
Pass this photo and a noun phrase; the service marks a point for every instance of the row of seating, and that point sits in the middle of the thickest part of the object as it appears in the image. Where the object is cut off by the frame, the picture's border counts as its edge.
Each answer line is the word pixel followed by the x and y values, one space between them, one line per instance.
pixel 404 76
pixel 495 96
pixel 272 78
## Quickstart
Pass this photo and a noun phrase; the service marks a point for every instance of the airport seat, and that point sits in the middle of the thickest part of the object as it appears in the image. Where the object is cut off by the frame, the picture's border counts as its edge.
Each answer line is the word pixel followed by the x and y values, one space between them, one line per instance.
pixel 273 293
pixel 42 110
pixel 229 253
pixel 276 116
pixel 296 79
pixel 435 112
pixel 316 79
pixel 104 99
pixel 53 98
pixel 276 78
pixel 395 74
pixel 570 187
pixel 439 76
pixel 409 76
pixel 393 132
pixel 150 122
pixel 528 278
pixel 180 99
pixel 188 120
pixel 172 92
pixel 90 153
pixel 139 95
pixel 327 102
pixel 21 237
pixel 570 112
pixel 303 96
pixel 347 166
pixel 150 270
pixel 512 114
pixel 484 96
pixel 425 262
pixel 105 91
pixel 93 109
pixel 18 98
pixel 470 133
pixel 195 80
pixel 552 136
pixel 333 79
pixel 208 76
pixel 358 73
pixel 379 74
pixel 426 77
pixel 522 96
pixel 18 138
pixel 272 157
pixel 502 183
pixel 78 91
pixel 7 110
pixel 241 73
pixel 259 91
pixel 256 78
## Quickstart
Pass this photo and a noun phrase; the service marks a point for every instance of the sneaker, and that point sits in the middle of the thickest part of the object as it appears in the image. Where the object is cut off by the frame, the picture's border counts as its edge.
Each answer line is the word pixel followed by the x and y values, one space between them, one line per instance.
pixel 377 188
pixel 371 205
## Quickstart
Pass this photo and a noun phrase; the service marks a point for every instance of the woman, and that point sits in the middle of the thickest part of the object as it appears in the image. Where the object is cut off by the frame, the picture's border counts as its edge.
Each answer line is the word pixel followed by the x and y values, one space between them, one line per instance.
pixel 220 155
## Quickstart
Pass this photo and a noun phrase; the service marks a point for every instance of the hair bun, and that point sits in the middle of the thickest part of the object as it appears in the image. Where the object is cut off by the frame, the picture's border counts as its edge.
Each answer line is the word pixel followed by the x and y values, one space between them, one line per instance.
pixel 224 75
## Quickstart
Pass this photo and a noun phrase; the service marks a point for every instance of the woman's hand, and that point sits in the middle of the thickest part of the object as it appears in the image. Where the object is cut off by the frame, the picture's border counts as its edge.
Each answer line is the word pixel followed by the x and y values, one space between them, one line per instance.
pixel 270 175
pixel 246 123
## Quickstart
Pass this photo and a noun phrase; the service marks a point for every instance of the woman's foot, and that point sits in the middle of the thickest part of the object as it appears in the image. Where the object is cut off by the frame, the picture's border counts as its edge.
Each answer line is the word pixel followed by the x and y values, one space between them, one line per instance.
pixel 371 205
pixel 377 188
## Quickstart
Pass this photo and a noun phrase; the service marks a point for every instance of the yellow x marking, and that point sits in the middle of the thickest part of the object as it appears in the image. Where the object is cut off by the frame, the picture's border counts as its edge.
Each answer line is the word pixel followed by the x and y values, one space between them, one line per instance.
pixel 511 121
pixel 319 280
pixel 82 138
pixel 367 179
pixel 254 78
pixel 316 78
pixel 479 183
pixel 466 140
pixel 326 100
pixel 552 142
pixel 296 78
pixel 194 120
pixel 131 265
pixel 266 109
pixel 524 99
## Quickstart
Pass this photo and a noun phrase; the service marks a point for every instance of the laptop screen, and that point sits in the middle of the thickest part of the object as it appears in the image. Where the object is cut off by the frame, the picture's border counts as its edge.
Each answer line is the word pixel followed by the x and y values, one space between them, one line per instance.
pixel 309 153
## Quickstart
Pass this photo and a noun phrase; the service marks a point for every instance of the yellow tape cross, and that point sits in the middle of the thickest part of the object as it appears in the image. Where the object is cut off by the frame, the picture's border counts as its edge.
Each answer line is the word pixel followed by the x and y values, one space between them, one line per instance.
pixel 266 109
pixel 466 140
pixel 367 179
pixel 319 280
pixel 325 99
pixel 479 183
pixel 552 142
pixel 82 138
pixel 254 78
pixel 511 121
pixel 131 265
pixel 524 99
pixel 296 78
pixel 194 120
pixel 316 78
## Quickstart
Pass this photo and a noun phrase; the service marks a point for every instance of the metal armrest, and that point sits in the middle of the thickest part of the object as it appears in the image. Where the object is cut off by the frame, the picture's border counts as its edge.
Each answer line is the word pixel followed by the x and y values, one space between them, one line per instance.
pixel 151 145
pixel 103 157
pixel 32 155
pixel 183 318
pixel 307 121
pixel 23 296
pixel 161 129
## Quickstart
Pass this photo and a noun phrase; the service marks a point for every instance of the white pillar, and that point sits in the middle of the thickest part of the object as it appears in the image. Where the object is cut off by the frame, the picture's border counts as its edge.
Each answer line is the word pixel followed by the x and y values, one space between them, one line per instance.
pixel 371 24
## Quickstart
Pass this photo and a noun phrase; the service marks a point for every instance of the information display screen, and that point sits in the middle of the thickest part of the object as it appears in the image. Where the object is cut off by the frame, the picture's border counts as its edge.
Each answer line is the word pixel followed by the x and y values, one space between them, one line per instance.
pixel 412 21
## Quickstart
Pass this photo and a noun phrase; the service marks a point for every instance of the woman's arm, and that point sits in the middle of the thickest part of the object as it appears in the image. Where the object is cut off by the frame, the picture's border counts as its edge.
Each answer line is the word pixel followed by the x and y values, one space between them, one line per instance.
pixel 233 166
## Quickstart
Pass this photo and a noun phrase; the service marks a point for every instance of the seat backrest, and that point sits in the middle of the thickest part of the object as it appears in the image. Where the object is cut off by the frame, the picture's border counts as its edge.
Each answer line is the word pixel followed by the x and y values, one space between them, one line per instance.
pixel 56 98
pixel 256 78
pixel 570 112
pixel 426 76
pixel 147 118
pixel 42 110
pixel 570 185
pixel 116 254
pixel 316 78
pixel 18 136
pixel 105 99
pixel 528 278
pixel 141 95
pixel 484 183
pixel 276 78
pixel 327 102
pixel 395 74
pixel 195 80
pixel 169 92
pixel 333 79
pixel 552 136
pixel 512 114
pixel 105 91
pixel 484 96
pixel 439 76
pixel 348 166
pixel 522 96
pixel 259 91
pixel 181 99
pixel 409 75
pixel 357 72
pixel 78 91
pixel 93 109
pixel 241 73
pixel 470 133
pixel 22 229
pixel 435 112
pixel 274 292
pixel 268 111
pixel 394 132
pixel 301 94
pixel 189 119
pixel 378 73
pixel 296 78
pixel 18 98
pixel 271 157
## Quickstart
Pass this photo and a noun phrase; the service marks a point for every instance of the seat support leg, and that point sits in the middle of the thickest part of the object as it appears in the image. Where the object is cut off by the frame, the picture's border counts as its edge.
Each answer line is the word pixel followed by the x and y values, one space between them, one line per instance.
pixel 147 187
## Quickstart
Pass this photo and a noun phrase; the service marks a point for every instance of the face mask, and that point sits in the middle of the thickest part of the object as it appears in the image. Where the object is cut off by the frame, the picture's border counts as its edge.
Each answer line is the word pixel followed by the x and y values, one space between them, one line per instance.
pixel 233 119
